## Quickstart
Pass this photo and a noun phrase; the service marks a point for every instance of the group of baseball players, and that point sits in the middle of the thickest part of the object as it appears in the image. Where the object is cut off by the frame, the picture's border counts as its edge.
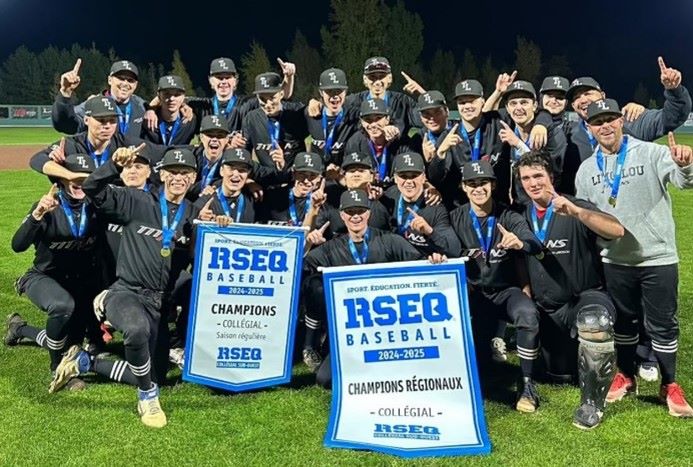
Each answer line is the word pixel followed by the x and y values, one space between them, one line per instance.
pixel 567 224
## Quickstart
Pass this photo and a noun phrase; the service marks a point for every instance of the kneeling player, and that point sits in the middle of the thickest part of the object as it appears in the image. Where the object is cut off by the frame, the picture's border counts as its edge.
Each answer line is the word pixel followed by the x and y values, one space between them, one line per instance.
pixel 567 286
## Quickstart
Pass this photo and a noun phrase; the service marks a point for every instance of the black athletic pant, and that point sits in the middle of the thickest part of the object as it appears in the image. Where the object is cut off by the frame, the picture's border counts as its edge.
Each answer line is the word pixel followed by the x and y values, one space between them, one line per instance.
pixel 649 294
pixel 314 304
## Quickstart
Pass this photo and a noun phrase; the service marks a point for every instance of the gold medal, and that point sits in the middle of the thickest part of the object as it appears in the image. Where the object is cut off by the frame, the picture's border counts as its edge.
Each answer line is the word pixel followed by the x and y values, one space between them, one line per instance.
pixel 612 201
pixel 540 256
pixel 165 252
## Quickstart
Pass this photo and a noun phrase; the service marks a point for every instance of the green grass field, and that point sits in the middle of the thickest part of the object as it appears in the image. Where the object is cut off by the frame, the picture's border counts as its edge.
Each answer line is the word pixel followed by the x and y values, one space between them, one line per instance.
pixel 13 136
pixel 285 426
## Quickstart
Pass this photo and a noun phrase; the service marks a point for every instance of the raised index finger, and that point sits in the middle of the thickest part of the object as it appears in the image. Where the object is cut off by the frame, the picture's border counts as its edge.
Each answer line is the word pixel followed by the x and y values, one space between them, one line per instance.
pixel 54 190
pixel 78 64
pixel 412 212
pixel 671 139
pixel 662 65
pixel 505 125
pixel 406 76
pixel 453 130
pixel 208 203
pixel 324 226
pixel 139 148
pixel 62 144
pixel 281 62
pixel 502 229
pixel 513 76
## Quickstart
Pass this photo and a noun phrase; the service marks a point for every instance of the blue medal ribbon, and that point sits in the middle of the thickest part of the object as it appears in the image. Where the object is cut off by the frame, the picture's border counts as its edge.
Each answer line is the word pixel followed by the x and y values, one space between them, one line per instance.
pixel 516 152
pixel 229 106
pixel 380 163
pixel 168 232
pixel 402 223
pixel 329 136
pixel 124 118
pixel 541 232
pixel 273 128
pixel 174 131
pixel 592 139
pixel 98 161
pixel 476 146
pixel 618 170
pixel 76 232
pixel 363 257
pixel 484 243
pixel 145 188
pixel 240 205
pixel 208 173
pixel 292 208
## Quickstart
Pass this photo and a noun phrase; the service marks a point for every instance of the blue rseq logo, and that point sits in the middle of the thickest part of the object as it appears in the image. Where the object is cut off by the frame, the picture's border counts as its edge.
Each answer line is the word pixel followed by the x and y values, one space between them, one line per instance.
pixel 239 357
pixel 383 430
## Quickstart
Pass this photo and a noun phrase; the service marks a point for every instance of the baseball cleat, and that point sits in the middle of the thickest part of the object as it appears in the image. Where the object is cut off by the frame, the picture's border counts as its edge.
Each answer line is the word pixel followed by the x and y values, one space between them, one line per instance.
pixel 621 386
pixel 528 399
pixel 14 322
pixel 149 408
pixel 675 399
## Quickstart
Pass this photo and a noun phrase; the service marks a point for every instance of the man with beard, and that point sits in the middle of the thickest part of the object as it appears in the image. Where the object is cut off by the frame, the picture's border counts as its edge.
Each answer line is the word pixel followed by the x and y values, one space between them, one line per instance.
pixel 122 81
pixel 628 178
pixel 567 286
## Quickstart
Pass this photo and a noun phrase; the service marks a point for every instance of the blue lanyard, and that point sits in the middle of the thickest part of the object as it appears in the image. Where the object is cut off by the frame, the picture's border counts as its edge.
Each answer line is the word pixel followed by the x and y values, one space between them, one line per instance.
pixel 386 97
pixel 592 139
pixel 433 138
pixel 403 224
pixel 273 128
pixel 476 147
pixel 98 161
pixel 229 106
pixel 484 243
pixel 329 136
pixel 382 163
pixel 618 170
pixel 516 152
pixel 174 131
pixel 292 208
pixel 208 173
pixel 240 204
pixel 124 119
pixel 145 188
pixel 76 232
pixel 541 233
pixel 363 257
pixel 168 232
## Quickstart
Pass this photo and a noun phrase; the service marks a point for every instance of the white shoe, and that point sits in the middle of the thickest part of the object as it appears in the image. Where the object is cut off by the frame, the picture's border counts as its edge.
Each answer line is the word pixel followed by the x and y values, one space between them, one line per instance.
pixel 498 351
pixel 149 408
pixel 177 357
pixel 649 372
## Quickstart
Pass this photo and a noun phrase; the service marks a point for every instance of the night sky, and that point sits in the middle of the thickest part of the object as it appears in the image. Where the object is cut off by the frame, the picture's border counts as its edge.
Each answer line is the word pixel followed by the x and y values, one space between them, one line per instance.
pixel 616 42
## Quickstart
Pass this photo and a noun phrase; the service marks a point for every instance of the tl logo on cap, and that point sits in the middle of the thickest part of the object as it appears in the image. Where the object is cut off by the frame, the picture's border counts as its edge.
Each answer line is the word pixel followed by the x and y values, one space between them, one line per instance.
pixel 178 156
pixel 170 80
pixel 125 65
pixel 427 97
pixel 82 162
pixel 308 160
pixel 222 64
pixel 476 167
pixel 215 121
pixel 263 82
pixel 107 103
pixel 576 82
pixel 355 196
pixel 333 77
pixel 407 160
pixel 602 105
pixel 240 155
pixel 372 105
pixel 465 85
pixel 557 82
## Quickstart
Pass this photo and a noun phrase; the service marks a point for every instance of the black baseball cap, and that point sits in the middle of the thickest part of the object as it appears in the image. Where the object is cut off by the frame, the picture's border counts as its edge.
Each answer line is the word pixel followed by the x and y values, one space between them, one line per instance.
pixel 122 66
pixel 580 84
pixel 603 107
pixel 409 162
pixel 308 162
pixel 354 199
pixel 522 88
pixel 171 82
pixel 237 156
pixel 374 106
pixel 179 157
pixel 222 65
pixel 376 65
pixel 82 163
pixel 213 123
pixel 100 106
pixel 357 159
pixel 333 78
pixel 477 170
pixel 268 83
pixel 469 87
pixel 554 83
pixel 430 100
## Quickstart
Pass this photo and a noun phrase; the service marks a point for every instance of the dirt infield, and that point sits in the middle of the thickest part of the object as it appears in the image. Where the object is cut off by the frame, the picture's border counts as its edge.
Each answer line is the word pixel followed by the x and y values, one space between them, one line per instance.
pixel 16 157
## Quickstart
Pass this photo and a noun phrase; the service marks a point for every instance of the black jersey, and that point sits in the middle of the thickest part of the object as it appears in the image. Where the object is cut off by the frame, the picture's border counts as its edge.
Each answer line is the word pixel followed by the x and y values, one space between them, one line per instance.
pixel 383 157
pixel 239 208
pixel 280 207
pixel 382 247
pixel 173 133
pixel 233 110
pixel 403 112
pixel 494 268
pixel 379 217
pixel 140 259
pixel 569 263
pixel 330 133
pixel 443 239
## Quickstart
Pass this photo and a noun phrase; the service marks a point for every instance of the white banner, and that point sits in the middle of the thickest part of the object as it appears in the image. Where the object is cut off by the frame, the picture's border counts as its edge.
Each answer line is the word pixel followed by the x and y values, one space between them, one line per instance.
pixel 404 377
pixel 243 306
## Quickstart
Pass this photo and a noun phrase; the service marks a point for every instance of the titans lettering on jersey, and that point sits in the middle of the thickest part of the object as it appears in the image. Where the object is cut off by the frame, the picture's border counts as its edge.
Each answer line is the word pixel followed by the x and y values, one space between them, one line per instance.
pixel 116 228
pixel 288 146
pixel 78 244
pixel 157 233
pixel 626 174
